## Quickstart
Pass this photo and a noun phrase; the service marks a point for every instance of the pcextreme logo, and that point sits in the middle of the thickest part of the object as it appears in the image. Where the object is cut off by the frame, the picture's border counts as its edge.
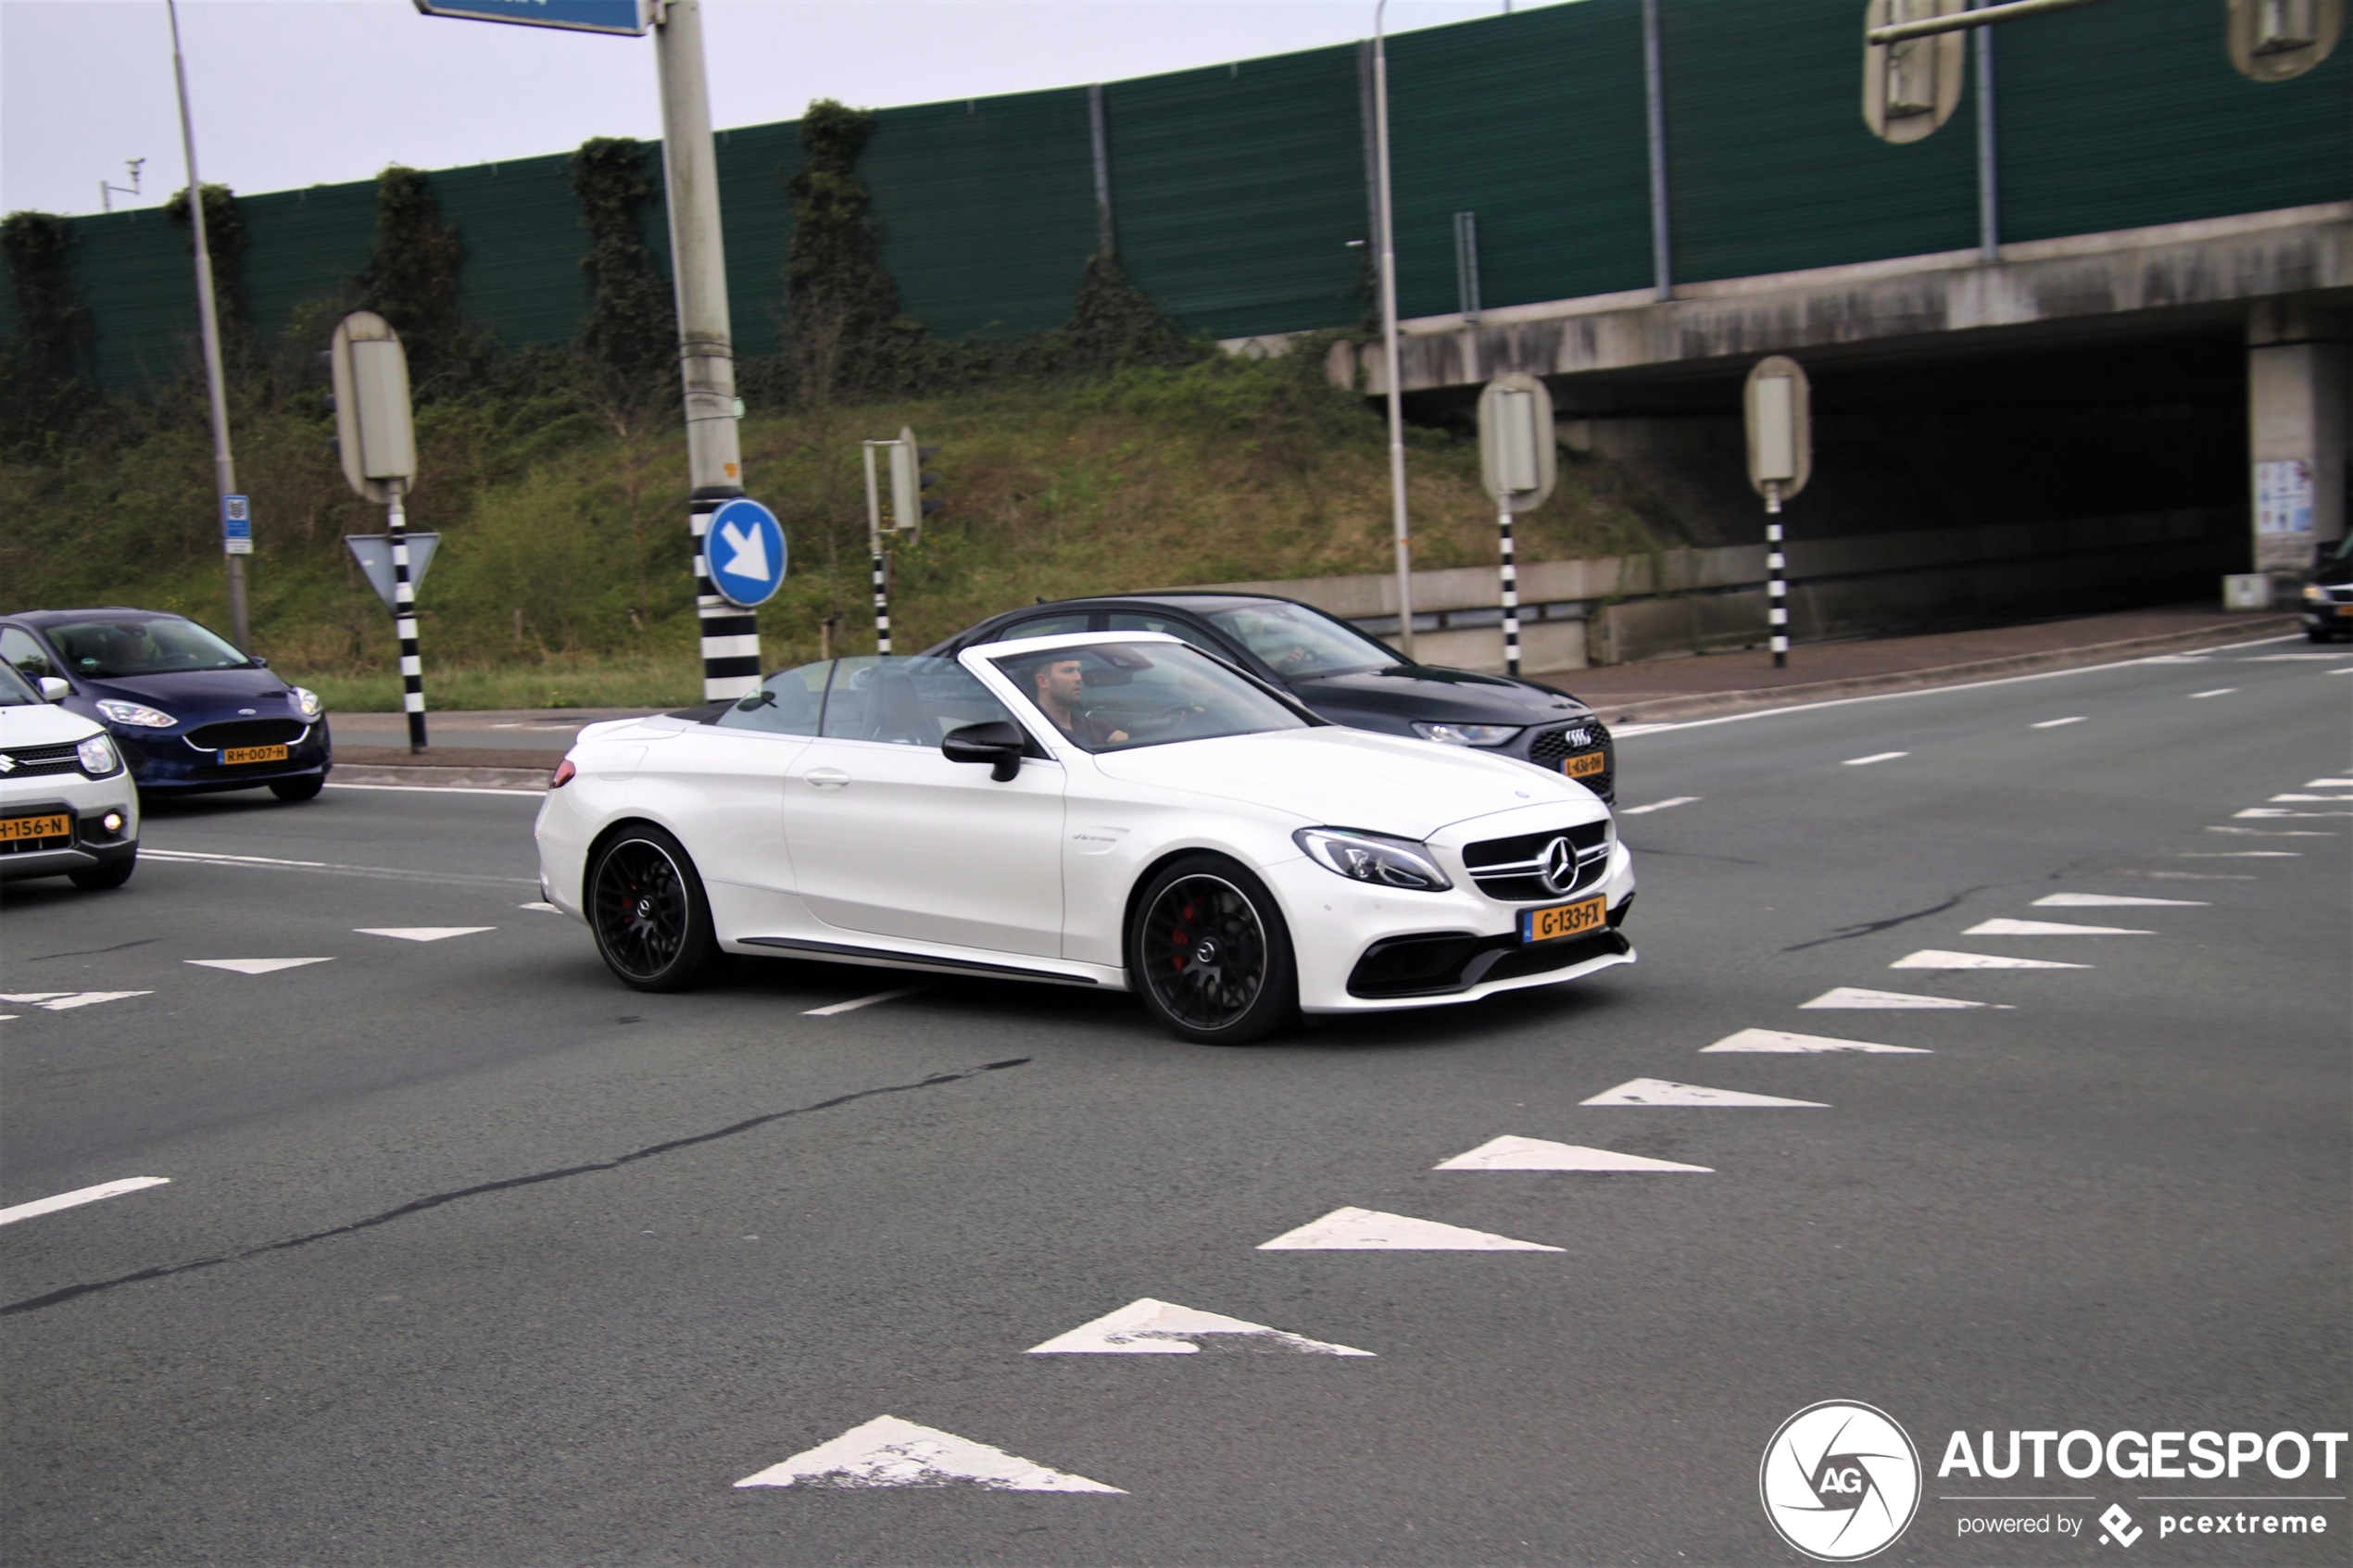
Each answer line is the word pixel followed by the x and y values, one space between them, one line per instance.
pixel 1840 1481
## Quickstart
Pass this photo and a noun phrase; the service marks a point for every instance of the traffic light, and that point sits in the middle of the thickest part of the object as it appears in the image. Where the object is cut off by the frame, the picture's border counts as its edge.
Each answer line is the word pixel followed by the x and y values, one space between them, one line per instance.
pixel 907 482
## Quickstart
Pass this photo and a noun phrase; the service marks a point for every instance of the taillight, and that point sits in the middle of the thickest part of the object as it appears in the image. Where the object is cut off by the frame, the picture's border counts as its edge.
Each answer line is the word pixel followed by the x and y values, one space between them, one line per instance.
pixel 564 770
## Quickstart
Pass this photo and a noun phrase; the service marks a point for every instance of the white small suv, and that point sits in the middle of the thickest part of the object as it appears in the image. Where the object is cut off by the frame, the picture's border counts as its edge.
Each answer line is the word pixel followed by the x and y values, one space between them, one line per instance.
pixel 68 806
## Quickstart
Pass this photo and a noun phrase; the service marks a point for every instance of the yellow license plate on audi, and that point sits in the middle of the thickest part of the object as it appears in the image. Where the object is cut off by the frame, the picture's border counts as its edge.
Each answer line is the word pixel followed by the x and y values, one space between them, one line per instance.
pixel 13 828
pixel 236 753
pixel 1585 767
pixel 1564 920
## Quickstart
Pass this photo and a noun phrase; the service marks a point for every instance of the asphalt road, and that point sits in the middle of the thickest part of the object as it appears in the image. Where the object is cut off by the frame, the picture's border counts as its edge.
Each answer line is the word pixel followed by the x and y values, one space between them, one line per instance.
pixel 468 1255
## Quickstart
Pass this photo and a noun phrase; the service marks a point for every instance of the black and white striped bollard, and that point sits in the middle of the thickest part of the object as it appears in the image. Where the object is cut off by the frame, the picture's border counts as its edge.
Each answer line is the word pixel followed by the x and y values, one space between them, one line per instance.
pixel 1511 598
pixel 1776 589
pixel 730 633
pixel 404 622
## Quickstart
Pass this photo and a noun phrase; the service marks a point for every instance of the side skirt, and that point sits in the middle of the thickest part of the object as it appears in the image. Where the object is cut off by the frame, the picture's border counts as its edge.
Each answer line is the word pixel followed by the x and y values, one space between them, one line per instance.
pixel 914 960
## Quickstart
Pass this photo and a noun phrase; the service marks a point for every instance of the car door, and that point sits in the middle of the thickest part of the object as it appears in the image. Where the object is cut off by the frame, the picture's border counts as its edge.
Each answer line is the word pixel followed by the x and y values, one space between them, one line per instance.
pixel 889 838
pixel 723 785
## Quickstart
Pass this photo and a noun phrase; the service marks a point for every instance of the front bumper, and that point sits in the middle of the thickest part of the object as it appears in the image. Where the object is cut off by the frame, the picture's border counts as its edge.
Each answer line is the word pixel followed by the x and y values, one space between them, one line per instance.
pixel 1459 945
pixel 2328 616
pixel 167 764
pixel 89 845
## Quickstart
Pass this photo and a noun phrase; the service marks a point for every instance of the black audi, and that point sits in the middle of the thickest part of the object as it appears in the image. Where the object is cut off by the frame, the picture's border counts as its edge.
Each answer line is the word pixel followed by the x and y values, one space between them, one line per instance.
pixel 1342 675
pixel 189 713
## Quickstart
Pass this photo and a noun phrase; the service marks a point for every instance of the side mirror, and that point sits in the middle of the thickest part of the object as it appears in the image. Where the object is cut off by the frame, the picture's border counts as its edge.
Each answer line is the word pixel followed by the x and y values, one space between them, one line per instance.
pixel 998 742
pixel 258 661
pixel 55 690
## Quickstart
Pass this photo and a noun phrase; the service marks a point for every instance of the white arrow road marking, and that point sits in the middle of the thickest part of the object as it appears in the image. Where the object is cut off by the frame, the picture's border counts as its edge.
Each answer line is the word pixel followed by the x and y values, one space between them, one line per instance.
pixel 1857 996
pixel 58 1002
pixel 1933 958
pixel 1875 757
pixel 1163 1328
pixel 1368 1230
pixel 2105 900
pixel 420 933
pixel 2055 723
pixel 1784 1043
pixel 1661 1091
pixel 2048 928
pixel 2219 690
pixel 854 1005
pixel 255 966
pixel 887 1452
pixel 1658 805
pixel 750 547
pixel 80 1196
pixel 1509 1153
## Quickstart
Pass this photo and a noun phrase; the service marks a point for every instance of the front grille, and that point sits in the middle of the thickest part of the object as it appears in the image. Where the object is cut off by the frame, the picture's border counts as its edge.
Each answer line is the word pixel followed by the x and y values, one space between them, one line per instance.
pixel 1440 963
pixel 248 731
pixel 1551 748
pixel 1510 870
pixel 38 761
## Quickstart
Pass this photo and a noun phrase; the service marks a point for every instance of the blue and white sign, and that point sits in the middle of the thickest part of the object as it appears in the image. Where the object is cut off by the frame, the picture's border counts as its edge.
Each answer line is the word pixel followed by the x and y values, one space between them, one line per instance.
pixel 744 550
pixel 632 16
pixel 236 526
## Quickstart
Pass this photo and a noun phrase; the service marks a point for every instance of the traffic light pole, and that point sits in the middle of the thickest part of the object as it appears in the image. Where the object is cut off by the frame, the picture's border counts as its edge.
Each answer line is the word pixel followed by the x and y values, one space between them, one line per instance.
pixel 706 349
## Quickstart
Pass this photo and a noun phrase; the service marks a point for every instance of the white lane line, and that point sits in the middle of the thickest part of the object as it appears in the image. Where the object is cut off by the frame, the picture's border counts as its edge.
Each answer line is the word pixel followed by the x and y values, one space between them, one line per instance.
pixel 1936 958
pixel 2055 723
pixel 2290 658
pixel 391 873
pixel 2105 900
pixel 1875 757
pixel 1780 1042
pixel 1861 1000
pixel 2328 784
pixel 2219 690
pixel 439 789
pixel 2340 670
pixel 1163 1328
pixel 58 1002
pixel 2277 833
pixel 2048 928
pixel 861 1002
pixel 2239 855
pixel 1509 1153
pixel 1368 1230
pixel 254 965
pixel 887 1452
pixel 1662 1091
pixel 2280 797
pixel 1659 805
pixel 201 856
pixel 2283 811
pixel 543 908
pixel 78 1197
pixel 420 933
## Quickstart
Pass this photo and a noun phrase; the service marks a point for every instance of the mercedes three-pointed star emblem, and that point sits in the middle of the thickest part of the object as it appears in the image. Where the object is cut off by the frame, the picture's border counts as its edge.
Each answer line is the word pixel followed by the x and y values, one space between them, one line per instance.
pixel 1558 867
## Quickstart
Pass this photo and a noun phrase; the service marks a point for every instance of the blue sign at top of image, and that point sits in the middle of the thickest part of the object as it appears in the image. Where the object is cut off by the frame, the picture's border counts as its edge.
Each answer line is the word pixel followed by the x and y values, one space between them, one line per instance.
pixel 582 16
pixel 745 549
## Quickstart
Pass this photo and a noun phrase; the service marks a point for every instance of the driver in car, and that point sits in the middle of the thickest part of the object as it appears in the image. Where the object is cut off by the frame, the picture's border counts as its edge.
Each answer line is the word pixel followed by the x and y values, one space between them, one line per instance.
pixel 1061 687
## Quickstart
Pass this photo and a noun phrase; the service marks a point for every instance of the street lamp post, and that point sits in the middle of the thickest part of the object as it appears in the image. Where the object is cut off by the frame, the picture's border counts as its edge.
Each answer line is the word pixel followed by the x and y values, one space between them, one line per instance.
pixel 1389 335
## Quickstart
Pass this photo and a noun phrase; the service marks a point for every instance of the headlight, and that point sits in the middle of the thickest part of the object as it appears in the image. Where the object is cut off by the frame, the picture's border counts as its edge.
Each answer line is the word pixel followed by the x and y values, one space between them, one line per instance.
pixel 306 701
pixel 132 713
pixel 97 757
pixel 1467 735
pixel 1369 857
pixel 2314 593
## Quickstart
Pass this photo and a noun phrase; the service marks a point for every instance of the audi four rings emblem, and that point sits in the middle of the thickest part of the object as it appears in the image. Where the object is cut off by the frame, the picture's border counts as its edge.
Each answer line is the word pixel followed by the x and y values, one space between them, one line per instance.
pixel 1559 866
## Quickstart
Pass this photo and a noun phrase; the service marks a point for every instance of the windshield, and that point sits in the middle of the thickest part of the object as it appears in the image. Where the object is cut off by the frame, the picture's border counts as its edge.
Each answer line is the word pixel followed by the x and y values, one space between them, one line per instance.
pixel 1110 696
pixel 14 690
pixel 161 645
pixel 1298 643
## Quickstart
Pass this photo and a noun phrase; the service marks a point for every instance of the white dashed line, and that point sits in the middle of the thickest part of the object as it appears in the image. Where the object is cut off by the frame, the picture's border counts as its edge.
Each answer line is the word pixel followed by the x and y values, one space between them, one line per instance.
pixel 2048 928
pixel 2328 784
pixel 1368 1230
pixel 1661 1091
pixel 1936 958
pixel 420 933
pixel 438 789
pixel 1150 1327
pixel 861 1002
pixel 1780 1042
pixel 1875 757
pixel 2100 900
pixel 59 1002
pixel 1509 1153
pixel 1659 805
pixel 2055 723
pixel 2219 690
pixel 254 965
pixel 78 1197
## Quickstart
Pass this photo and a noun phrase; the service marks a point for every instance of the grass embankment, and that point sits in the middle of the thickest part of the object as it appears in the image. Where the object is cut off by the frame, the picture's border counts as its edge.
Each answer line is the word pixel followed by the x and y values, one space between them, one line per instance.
pixel 561 578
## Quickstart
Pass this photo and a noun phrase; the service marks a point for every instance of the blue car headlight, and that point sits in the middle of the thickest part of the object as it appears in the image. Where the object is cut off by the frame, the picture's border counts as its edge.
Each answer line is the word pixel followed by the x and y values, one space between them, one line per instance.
pixel 134 713
pixel 306 701
pixel 97 757
pixel 1373 858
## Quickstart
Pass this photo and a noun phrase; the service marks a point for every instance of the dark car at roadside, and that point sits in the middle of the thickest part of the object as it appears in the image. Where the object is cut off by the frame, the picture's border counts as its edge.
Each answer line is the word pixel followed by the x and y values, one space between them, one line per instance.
pixel 2328 598
pixel 189 713
pixel 1342 675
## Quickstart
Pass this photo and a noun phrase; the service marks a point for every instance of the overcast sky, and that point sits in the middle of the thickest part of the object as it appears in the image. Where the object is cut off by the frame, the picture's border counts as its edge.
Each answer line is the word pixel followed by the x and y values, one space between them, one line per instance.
pixel 291 92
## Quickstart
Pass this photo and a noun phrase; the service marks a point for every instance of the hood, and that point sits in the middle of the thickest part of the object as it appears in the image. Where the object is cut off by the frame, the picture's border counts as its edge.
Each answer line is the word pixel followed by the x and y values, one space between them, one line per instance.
pixel 198 694
pixel 43 723
pixel 1403 692
pixel 1350 778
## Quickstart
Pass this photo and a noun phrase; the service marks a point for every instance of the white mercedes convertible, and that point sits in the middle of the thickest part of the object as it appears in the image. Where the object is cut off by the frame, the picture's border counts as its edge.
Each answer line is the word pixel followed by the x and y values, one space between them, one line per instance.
pixel 1118 809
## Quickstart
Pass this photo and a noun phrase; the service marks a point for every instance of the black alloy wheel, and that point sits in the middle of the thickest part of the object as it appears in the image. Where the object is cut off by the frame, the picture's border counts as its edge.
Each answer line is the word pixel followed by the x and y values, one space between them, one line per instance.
pixel 1209 953
pixel 646 907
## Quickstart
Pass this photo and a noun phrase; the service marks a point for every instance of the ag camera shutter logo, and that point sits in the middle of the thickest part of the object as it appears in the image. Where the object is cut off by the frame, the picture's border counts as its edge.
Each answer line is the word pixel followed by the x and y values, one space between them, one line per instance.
pixel 1840 1481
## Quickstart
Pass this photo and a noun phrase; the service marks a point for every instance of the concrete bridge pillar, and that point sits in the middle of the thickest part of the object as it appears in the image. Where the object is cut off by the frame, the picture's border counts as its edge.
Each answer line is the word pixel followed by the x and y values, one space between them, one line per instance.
pixel 2299 362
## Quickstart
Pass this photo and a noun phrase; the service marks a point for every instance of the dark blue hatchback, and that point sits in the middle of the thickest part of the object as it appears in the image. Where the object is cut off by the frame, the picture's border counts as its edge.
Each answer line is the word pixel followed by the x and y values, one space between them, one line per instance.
pixel 189 712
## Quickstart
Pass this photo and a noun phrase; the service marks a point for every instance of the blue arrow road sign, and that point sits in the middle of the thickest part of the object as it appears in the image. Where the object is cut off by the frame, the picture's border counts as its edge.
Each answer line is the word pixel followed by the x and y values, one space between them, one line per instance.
pixel 632 16
pixel 744 549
